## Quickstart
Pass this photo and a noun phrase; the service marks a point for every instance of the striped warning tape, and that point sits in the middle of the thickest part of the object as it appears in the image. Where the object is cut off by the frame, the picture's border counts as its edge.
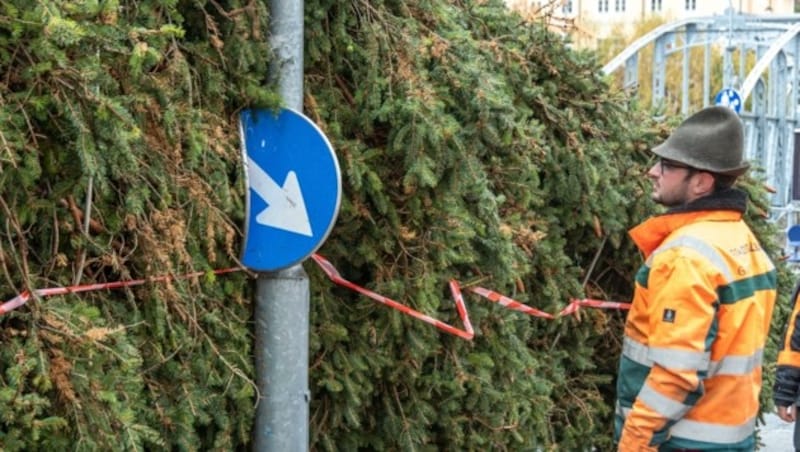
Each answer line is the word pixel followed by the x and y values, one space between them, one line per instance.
pixel 574 305
pixel 466 332
pixel 455 289
pixel 23 297
pixel 509 303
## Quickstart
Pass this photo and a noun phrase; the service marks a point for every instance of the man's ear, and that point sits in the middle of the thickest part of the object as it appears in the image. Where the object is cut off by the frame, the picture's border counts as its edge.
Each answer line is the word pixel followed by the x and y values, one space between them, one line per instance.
pixel 702 183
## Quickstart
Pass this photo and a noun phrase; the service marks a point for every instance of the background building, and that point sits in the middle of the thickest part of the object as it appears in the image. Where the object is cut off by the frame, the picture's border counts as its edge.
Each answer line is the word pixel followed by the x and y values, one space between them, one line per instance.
pixel 590 21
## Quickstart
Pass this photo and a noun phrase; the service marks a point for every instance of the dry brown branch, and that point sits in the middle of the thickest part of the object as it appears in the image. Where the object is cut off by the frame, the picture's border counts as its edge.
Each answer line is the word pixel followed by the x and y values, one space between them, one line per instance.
pixel 77 215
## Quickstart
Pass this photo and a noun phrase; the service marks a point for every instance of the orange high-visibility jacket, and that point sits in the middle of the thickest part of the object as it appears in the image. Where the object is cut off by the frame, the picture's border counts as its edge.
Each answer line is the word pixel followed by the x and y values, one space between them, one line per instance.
pixel 787 375
pixel 690 370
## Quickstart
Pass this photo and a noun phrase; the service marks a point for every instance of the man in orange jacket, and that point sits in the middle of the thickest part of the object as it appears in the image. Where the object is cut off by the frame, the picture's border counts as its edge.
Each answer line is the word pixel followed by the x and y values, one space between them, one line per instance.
pixel 690 370
pixel 786 391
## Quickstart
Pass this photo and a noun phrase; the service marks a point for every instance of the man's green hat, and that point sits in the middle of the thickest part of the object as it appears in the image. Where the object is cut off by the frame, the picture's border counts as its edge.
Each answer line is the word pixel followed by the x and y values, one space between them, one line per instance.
pixel 711 140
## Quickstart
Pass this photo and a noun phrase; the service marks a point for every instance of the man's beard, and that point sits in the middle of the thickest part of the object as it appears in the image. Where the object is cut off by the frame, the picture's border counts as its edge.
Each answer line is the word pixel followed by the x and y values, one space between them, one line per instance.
pixel 668 201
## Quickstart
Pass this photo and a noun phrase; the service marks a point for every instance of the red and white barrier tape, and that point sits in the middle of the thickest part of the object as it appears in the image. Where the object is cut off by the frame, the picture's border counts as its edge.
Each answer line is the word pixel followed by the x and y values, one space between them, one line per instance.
pixel 574 305
pixel 466 333
pixel 23 298
pixel 509 303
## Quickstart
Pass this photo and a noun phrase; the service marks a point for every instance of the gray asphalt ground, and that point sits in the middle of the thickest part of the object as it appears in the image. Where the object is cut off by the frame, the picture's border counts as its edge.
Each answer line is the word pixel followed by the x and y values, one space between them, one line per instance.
pixel 776 435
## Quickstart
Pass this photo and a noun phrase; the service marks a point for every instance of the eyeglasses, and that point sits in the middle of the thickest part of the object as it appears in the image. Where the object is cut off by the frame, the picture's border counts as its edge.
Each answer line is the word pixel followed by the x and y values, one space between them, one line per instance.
pixel 668 165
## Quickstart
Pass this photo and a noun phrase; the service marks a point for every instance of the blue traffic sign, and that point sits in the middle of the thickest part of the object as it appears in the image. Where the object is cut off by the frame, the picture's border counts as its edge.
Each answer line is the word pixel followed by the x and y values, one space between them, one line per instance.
pixel 729 97
pixel 294 188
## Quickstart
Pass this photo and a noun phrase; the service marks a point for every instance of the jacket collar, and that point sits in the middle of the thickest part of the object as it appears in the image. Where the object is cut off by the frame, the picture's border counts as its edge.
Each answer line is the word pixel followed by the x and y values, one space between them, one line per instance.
pixel 728 199
pixel 726 205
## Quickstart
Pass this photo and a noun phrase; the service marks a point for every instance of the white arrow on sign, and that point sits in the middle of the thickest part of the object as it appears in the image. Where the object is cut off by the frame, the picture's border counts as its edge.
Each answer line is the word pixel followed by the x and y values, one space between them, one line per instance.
pixel 286 209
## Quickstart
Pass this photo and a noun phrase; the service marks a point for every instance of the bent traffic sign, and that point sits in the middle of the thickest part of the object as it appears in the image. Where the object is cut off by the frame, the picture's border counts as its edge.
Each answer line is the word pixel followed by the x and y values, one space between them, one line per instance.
pixel 294 188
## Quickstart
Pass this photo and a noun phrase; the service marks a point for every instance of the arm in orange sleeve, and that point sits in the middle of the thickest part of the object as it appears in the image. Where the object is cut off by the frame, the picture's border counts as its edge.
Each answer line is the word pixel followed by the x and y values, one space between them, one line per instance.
pixel 682 312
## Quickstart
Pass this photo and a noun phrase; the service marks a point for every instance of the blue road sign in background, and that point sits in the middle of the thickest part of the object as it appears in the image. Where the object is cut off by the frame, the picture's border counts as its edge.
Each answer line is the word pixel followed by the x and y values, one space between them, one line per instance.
pixel 294 188
pixel 729 97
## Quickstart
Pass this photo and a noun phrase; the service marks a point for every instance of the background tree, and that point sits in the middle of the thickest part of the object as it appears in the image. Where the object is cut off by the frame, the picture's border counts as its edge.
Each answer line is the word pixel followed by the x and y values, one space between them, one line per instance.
pixel 474 145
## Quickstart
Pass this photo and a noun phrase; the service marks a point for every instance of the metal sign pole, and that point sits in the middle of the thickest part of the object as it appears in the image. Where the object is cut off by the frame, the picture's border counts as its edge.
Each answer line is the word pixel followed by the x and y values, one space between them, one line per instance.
pixel 282 297
pixel 281 329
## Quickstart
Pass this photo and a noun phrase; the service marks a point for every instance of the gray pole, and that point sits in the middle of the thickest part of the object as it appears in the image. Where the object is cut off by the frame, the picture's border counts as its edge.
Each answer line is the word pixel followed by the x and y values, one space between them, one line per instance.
pixel 282 297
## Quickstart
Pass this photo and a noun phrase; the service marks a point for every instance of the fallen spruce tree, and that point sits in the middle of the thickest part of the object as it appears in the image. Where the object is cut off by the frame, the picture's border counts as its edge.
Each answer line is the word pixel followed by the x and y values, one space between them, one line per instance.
pixel 474 146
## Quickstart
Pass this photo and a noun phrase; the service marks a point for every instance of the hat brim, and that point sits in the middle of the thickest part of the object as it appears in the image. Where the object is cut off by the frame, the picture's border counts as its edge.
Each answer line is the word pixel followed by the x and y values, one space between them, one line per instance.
pixel 737 171
pixel 665 151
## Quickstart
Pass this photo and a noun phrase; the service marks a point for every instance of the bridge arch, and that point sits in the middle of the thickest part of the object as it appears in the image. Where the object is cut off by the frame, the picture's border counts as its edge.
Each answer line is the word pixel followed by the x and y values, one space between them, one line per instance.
pixel 769 88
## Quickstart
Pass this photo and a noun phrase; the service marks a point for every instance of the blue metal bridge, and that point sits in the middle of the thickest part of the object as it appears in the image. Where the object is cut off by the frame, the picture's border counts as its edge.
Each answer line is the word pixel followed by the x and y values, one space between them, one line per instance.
pixel 760 79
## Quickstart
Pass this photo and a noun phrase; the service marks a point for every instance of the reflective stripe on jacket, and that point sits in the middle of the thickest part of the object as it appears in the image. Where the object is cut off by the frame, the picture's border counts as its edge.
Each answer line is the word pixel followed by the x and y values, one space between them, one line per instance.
pixel 690 371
